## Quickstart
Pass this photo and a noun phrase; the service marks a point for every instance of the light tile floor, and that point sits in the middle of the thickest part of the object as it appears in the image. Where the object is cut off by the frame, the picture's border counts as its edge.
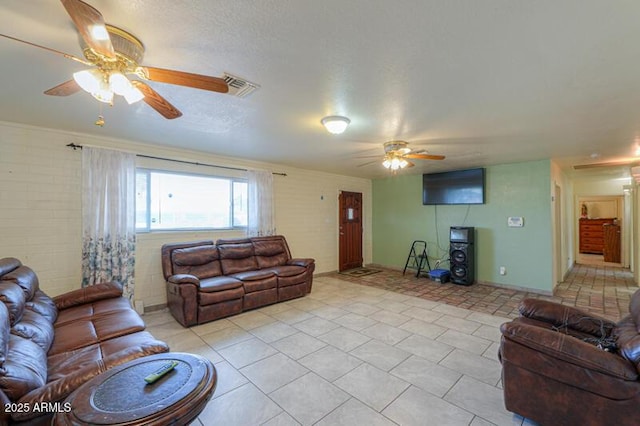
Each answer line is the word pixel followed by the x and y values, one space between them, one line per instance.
pixel 349 354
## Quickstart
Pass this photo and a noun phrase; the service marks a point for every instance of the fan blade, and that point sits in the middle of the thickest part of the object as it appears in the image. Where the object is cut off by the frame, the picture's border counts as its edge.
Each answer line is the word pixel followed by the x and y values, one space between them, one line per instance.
pixel 369 156
pixel 65 89
pixel 66 55
pixel 410 164
pixel 424 156
pixel 368 162
pixel 157 102
pixel 180 78
pixel 90 24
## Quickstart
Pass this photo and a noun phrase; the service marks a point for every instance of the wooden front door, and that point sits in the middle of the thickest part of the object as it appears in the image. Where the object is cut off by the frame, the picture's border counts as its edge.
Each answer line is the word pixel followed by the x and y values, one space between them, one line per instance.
pixel 350 247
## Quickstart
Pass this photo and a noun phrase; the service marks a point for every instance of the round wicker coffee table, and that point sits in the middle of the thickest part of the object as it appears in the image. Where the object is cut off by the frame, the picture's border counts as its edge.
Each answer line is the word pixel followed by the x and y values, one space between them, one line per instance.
pixel 120 396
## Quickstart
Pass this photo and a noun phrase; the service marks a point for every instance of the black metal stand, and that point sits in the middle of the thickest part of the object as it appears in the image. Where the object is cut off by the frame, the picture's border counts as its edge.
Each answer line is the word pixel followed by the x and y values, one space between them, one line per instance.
pixel 417 258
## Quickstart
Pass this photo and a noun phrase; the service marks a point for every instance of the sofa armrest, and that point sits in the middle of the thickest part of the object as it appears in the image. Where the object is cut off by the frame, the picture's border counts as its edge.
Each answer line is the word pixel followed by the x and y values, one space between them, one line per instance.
pixel 569 349
pixel 58 390
pixel 565 316
pixel 300 262
pixel 88 294
pixel 4 415
pixel 184 279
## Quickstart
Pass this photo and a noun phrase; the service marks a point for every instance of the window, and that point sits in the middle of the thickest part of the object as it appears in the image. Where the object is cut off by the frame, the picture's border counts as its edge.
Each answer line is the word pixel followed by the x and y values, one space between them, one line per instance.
pixel 180 201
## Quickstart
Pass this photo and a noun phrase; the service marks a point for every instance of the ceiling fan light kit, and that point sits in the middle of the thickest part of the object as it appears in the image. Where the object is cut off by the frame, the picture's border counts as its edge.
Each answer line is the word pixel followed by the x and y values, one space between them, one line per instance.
pixel 103 85
pixel 394 162
pixel 335 124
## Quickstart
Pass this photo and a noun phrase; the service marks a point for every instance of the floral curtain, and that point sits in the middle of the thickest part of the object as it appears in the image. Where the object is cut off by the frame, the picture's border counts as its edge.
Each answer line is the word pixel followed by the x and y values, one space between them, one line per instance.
pixel 108 217
pixel 261 220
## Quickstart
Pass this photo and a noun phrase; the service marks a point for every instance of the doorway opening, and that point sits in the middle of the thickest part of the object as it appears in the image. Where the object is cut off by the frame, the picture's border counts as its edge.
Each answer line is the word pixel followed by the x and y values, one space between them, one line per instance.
pixel 600 231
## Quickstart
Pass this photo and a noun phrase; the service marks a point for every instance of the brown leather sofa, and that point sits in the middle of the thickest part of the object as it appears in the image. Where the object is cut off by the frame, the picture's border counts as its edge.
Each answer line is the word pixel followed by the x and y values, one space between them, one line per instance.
pixel 207 281
pixel 49 347
pixel 561 365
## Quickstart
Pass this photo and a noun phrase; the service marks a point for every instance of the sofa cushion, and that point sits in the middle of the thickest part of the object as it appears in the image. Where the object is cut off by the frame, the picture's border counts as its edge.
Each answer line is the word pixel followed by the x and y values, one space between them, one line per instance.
pixel 271 252
pixel 8 264
pixel 13 298
pixel 258 285
pixel 205 299
pixel 63 364
pixel 24 369
pixel 24 277
pixel 221 283
pixel 83 332
pixel 88 310
pixel 287 270
pixel 166 252
pixel 291 281
pixel 237 257
pixel 255 275
pixel 36 328
pixel 202 261
pixel 88 294
pixel 44 305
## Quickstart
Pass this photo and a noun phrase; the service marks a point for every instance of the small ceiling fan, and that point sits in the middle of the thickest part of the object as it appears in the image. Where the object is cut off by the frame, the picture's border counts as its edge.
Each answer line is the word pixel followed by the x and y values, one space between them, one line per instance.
pixel 114 53
pixel 397 155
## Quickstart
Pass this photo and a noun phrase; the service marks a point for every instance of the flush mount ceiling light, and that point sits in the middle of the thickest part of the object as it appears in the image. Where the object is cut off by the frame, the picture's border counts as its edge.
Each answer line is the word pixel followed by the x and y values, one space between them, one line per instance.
pixel 335 124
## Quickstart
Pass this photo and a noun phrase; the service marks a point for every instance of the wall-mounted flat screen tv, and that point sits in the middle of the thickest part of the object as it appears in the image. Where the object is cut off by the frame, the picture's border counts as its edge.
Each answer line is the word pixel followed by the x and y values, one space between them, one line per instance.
pixel 456 187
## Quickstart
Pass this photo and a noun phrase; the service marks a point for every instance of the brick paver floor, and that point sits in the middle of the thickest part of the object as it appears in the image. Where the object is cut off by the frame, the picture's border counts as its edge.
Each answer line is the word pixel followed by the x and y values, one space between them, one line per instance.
pixel 602 290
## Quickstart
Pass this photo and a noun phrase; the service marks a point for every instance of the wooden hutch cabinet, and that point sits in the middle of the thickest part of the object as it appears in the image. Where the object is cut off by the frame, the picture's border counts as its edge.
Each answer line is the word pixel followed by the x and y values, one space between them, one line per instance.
pixel 592 235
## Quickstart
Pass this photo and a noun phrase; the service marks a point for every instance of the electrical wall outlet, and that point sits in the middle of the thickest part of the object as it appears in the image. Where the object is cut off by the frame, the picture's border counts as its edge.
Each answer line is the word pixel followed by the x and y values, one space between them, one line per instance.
pixel 503 270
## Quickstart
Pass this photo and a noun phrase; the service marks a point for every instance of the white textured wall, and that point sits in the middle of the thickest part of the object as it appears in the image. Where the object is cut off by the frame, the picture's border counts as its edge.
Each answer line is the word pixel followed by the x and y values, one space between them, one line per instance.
pixel 40 208
pixel 40 205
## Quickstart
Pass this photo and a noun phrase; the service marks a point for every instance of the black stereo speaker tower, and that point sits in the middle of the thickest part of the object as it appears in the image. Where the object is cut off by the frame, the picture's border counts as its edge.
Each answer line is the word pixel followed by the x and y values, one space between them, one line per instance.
pixel 462 255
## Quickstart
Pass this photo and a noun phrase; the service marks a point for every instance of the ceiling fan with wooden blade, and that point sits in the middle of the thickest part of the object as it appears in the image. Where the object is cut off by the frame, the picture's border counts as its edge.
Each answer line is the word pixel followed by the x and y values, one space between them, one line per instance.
pixel 419 156
pixel 114 53
pixel 64 89
pixel 157 102
pixel 397 155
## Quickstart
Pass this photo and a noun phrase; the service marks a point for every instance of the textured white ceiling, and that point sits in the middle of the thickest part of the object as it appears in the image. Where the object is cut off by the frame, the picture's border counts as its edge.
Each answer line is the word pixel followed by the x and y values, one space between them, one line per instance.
pixel 482 82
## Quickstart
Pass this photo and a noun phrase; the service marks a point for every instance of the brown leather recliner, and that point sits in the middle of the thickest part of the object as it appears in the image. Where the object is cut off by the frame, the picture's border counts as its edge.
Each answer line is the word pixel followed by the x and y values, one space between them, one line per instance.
pixel 561 365
pixel 207 281
pixel 49 347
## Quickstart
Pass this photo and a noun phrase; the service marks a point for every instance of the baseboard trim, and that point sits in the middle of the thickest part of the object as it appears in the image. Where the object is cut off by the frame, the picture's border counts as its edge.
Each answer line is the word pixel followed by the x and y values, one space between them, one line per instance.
pixel 489 283
pixel 155 308
pixel 516 288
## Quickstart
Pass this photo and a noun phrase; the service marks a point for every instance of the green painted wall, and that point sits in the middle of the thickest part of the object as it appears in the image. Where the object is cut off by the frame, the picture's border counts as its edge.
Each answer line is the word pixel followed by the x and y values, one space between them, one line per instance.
pixel 519 189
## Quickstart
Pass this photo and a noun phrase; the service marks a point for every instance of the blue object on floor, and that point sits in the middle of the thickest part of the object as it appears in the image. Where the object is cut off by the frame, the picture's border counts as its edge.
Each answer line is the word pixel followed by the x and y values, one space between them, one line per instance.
pixel 440 275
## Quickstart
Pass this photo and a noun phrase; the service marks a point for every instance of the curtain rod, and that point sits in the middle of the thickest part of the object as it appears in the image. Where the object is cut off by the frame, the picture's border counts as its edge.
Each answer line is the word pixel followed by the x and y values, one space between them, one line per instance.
pixel 193 163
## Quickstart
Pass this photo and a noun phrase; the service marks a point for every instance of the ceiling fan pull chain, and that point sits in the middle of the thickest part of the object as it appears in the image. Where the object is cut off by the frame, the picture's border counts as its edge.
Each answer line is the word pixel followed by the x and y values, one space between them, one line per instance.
pixel 100 120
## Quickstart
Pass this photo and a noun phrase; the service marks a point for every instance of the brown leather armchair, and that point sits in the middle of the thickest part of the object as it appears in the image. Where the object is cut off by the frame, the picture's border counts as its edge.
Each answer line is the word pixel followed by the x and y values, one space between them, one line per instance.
pixel 561 365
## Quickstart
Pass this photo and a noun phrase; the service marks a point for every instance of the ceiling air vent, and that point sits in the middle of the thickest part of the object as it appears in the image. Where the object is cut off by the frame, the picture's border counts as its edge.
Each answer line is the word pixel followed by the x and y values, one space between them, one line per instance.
pixel 239 86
